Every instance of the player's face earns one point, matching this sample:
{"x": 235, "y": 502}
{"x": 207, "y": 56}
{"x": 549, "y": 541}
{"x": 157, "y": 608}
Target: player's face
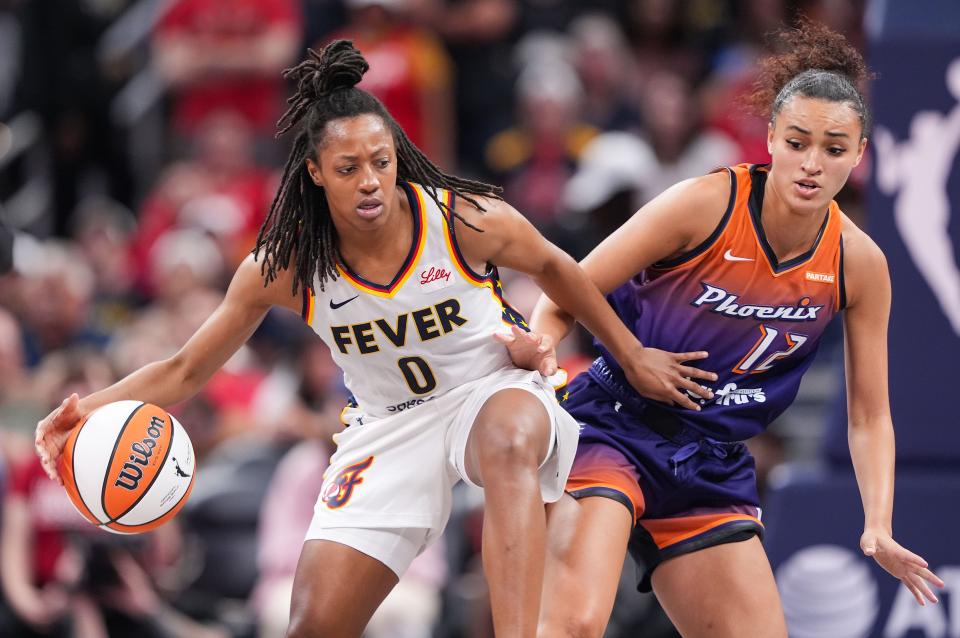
{"x": 815, "y": 144}
{"x": 357, "y": 167}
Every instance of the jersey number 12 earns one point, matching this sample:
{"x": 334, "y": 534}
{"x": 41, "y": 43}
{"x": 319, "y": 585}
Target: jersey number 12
{"x": 748, "y": 365}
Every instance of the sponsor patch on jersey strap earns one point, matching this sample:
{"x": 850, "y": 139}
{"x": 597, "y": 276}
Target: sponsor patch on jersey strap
{"x": 823, "y": 277}
{"x": 726, "y": 303}
{"x": 435, "y": 276}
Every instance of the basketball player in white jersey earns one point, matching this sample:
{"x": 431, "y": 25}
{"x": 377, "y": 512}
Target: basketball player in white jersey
{"x": 391, "y": 262}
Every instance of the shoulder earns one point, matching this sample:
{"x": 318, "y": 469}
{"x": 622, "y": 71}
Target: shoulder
{"x": 691, "y": 209}
{"x": 858, "y": 247}
{"x": 712, "y": 188}
{"x": 250, "y": 285}
{"x": 482, "y": 210}
{"x": 864, "y": 264}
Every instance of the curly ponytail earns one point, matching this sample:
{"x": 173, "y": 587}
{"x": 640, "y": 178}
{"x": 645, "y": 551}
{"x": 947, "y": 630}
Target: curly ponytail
{"x": 816, "y": 63}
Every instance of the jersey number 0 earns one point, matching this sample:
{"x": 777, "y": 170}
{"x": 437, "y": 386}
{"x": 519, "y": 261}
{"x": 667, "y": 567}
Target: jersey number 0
{"x": 417, "y": 374}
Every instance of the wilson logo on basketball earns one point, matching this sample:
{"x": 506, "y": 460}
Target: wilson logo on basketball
{"x": 142, "y": 451}
{"x": 338, "y": 492}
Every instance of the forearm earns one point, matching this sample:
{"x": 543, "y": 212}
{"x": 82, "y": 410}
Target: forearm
{"x": 162, "y": 383}
{"x": 873, "y": 453}
{"x": 550, "y": 320}
{"x": 573, "y": 296}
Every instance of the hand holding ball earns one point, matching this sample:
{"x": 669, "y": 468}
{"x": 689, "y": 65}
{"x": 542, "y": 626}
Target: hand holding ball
{"x": 128, "y": 467}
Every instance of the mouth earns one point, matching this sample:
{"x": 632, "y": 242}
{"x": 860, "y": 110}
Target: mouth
{"x": 806, "y": 188}
{"x": 369, "y": 208}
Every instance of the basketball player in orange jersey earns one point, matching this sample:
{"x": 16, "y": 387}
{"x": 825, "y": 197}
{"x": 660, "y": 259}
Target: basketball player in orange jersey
{"x": 391, "y": 262}
{"x": 749, "y": 263}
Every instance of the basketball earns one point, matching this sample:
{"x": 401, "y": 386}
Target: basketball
{"x": 128, "y": 467}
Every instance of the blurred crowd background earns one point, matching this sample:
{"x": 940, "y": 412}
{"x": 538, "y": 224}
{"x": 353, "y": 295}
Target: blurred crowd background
{"x": 137, "y": 161}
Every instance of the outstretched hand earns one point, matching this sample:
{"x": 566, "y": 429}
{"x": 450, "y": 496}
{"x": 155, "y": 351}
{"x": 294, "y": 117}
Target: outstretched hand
{"x": 529, "y": 350}
{"x": 53, "y": 432}
{"x": 901, "y": 563}
{"x": 662, "y": 376}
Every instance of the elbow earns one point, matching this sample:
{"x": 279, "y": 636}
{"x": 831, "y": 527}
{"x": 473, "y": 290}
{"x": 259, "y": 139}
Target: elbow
{"x": 183, "y": 372}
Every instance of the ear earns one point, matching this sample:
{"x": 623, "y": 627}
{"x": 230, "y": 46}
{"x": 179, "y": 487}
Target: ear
{"x": 863, "y": 147}
{"x": 314, "y": 171}
{"x": 770, "y": 137}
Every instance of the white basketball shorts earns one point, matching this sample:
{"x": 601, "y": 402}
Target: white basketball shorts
{"x": 396, "y": 473}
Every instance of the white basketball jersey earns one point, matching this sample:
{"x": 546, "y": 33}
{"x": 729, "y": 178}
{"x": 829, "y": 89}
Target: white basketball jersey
{"x": 426, "y": 332}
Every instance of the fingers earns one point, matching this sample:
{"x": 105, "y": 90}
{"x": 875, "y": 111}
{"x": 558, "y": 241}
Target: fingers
{"x": 907, "y": 556}
{"x": 504, "y": 338}
{"x": 914, "y": 590}
{"x": 695, "y": 388}
{"x": 683, "y": 400}
{"x": 548, "y": 365}
{"x": 920, "y": 588}
{"x": 50, "y": 467}
{"x": 697, "y": 373}
{"x": 517, "y": 335}
{"x": 691, "y": 356}
{"x": 929, "y": 576}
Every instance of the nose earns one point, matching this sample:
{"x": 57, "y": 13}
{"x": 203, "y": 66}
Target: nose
{"x": 369, "y": 182}
{"x": 812, "y": 162}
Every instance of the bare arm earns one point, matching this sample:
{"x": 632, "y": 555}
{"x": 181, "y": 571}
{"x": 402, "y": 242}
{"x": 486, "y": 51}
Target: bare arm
{"x": 175, "y": 379}
{"x": 870, "y": 426}
{"x": 510, "y": 240}
{"x": 674, "y": 222}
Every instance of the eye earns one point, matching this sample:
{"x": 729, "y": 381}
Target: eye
{"x": 836, "y": 150}
{"x": 383, "y": 163}
{"x": 346, "y": 170}
{"x": 795, "y": 145}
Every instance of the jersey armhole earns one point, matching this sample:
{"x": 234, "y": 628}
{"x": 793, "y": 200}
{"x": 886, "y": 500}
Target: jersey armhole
{"x": 709, "y": 241}
{"x": 841, "y": 282}
{"x": 469, "y": 273}
{"x": 306, "y": 311}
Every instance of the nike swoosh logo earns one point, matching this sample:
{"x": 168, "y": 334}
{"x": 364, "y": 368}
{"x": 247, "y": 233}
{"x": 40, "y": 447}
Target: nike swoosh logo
{"x": 731, "y": 257}
{"x": 334, "y": 306}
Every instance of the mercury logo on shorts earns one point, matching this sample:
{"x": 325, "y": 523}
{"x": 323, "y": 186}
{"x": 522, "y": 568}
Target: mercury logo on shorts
{"x": 338, "y": 492}
{"x": 725, "y": 303}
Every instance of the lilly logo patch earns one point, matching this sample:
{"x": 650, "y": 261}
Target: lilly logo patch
{"x": 435, "y": 276}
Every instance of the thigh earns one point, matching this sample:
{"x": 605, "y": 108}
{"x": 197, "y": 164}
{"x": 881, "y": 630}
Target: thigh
{"x": 336, "y": 590}
{"x": 732, "y": 587}
{"x": 586, "y": 544}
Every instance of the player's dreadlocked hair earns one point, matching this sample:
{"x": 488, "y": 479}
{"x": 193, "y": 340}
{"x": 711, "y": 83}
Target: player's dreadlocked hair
{"x": 299, "y": 221}
{"x": 817, "y": 63}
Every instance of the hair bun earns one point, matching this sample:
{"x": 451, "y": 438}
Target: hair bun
{"x": 339, "y": 65}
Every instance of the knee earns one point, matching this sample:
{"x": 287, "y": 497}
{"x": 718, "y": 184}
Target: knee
{"x": 575, "y": 624}
{"x": 518, "y": 443}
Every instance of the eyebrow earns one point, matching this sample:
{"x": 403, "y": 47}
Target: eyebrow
{"x": 806, "y": 132}
{"x": 376, "y": 151}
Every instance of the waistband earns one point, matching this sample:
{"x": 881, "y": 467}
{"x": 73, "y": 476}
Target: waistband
{"x": 663, "y": 422}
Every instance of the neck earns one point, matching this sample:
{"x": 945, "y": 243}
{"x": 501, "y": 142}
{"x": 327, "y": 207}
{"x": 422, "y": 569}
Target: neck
{"x": 789, "y": 232}
{"x": 361, "y": 247}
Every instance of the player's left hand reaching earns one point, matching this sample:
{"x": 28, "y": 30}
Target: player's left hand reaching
{"x": 529, "y": 350}
{"x": 903, "y": 564}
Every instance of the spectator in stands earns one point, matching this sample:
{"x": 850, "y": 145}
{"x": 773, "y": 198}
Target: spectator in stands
{"x": 217, "y": 55}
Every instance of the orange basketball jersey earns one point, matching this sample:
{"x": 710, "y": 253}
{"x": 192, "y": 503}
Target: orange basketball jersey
{"x": 760, "y": 320}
